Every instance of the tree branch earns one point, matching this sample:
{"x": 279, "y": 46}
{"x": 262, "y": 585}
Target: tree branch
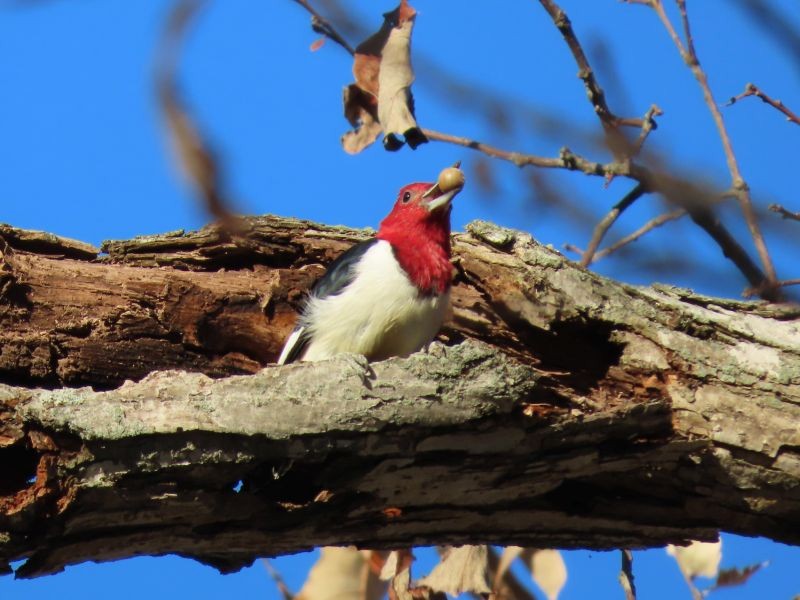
{"x": 579, "y": 412}
{"x": 784, "y": 212}
{"x": 689, "y": 56}
{"x": 752, "y": 90}
{"x": 605, "y": 224}
{"x": 680, "y": 192}
{"x": 324, "y": 27}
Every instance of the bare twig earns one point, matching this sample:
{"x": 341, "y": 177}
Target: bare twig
{"x": 689, "y": 56}
{"x": 509, "y": 587}
{"x": 784, "y": 213}
{"x": 279, "y": 582}
{"x": 648, "y": 125}
{"x": 605, "y": 224}
{"x": 192, "y": 149}
{"x": 566, "y": 160}
{"x": 753, "y": 90}
{"x": 621, "y": 148}
{"x": 626, "y": 575}
{"x": 754, "y": 291}
{"x": 678, "y": 192}
{"x": 323, "y": 27}
{"x": 593, "y": 90}
{"x": 644, "y": 229}
{"x": 632, "y": 237}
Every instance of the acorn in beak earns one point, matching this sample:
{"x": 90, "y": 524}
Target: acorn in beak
{"x": 449, "y": 183}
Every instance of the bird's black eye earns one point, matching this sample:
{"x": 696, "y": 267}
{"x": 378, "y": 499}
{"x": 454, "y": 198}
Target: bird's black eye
{"x": 406, "y": 197}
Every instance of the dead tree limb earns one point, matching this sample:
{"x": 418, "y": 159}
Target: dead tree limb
{"x": 566, "y": 410}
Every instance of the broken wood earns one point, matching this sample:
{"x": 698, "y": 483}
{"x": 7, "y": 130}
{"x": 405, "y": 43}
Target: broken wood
{"x": 565, "y": 410}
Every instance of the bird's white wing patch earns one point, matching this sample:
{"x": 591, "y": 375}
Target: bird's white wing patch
{"x": 380, "y": 314}
{"x": 290, "y": 344}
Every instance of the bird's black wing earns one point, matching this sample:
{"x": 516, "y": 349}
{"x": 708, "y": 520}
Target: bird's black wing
{"x": 341, "y": 272}
{"x": 339, "y": 275}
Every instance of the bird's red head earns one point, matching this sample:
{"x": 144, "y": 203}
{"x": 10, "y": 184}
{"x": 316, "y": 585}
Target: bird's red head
{"x": 418, "y": 228}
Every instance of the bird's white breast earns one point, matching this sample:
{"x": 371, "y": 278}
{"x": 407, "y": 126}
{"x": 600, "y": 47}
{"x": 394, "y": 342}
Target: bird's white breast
{"x": 380, "y": 314}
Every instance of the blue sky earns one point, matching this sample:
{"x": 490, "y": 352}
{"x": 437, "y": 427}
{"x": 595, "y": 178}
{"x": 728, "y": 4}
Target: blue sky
{"x": 83, "y": 155}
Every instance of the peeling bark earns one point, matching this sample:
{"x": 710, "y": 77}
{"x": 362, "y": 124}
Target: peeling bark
{"x": 565, "y": 410}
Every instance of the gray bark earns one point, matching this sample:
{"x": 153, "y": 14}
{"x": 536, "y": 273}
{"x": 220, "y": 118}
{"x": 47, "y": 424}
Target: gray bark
{"x": 565, "y": 410}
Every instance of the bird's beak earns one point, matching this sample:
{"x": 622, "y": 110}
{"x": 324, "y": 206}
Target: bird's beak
{"x": 439, "y": 201}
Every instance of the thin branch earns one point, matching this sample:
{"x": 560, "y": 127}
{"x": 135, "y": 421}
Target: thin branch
{"x": 621, "y": 148}
{"x": 687, "y": 32}
{"x": 605, "y": 224}
{"x": 648, "y": 125}
{"x": 644, "y": 229}
{"x": 750, "y": 292}
{"x": 693, "y": 590}
{"x": 276, "y": 577}
{"x": 784, "y": 213}
{"x": 509, "y": 588}
{"x": 678, "y": 192}
{"x": 689, "y": 56}
{"x": 632, "y": 237}
{"x": 626, "y": 575}
{"x": 192, "y": 148}
{"x": 566, "y": 160}
{"x": 593, "y": 90}
{"x": 324, "y": 27}
{"x": 753, "y": 90}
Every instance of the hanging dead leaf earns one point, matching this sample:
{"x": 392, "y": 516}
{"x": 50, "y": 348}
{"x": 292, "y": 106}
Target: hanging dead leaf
{"x": 698, "y": 558}
{"x": 382, "y": 70}
{"x": 317, "y": 44}
{"x": 463, "y": 569}
{"x": 395, "y": 102}
{"x": 399, "y": 587}
{"x": 736, "y": 576}
{"x": 341, "y": 574}
{"x": 360, "y": 109}
{"x": 547, "y": 570}
{"x": 398, "y": 560}
{"x": 397, "y": 571}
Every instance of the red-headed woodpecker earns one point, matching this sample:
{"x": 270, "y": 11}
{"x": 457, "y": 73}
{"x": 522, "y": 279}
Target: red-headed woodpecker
{"x": 386, "y": 296}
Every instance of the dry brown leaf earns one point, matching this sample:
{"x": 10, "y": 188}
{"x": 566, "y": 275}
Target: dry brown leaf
{"x": 737, "y": 576}
{"x": 399, "y": 588}
{"x": 462, "y": 569}
{"x": 317, "y": 44}
{"x": 397, "y": 561}
{"x": 698, "y": 558}
{"x": 397, "y": 570}
{"x": 360, "y": 109}
{"x": 382, "y": 70}
{"x": 395, "y": 102}
{"x": 341, "y": 574}
{"x": 547, "y": 570}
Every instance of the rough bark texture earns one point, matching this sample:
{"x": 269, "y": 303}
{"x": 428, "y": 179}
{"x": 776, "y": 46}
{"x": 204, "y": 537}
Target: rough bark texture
{"x": 566, "y": 410}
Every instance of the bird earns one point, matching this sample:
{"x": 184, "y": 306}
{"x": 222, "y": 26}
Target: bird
{"x": 386, "y": 296}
